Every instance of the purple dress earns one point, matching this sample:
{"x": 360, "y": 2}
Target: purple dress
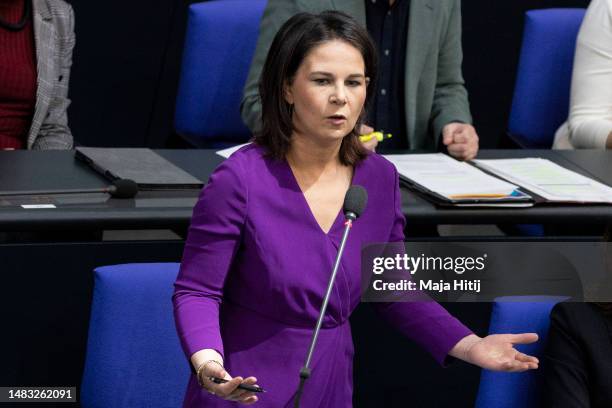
{"x": 255, "y": 270}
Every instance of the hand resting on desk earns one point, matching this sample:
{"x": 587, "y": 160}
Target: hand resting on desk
{"x": 461, "y": 140}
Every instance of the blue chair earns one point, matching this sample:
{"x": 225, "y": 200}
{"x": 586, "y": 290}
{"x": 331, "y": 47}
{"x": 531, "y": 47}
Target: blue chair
{"x": 134, "y": 358}
{"x": 516, "y": 314}
{"x": 219, "y": 45}
{"x": 541, "y": 94}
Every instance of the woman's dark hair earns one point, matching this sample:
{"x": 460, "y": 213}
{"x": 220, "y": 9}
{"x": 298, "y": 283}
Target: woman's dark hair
{"x": 295, "y": 39}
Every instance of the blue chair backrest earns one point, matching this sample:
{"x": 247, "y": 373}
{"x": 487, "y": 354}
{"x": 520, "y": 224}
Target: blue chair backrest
{"x": 219, "y": 45}
{"x": 516, "y": 314}
{"x": 134, "y": 358}
{"x": 541, "y": 93}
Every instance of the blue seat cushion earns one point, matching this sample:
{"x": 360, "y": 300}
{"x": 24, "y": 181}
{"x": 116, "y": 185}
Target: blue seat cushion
{"x": 134, "y": 358}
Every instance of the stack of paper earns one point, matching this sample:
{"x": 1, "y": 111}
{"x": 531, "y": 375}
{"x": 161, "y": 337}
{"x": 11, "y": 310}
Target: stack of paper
{"x": 549, "y": 180}
{"x": 455, "y": 182}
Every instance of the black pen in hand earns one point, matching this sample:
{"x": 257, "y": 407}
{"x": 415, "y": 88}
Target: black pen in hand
{"x": 247, "y": 387}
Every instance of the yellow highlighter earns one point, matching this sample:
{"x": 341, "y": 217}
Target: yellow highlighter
{"x": 380, "y": 136}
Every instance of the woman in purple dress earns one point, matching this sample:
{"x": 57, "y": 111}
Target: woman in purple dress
{"x": 267, "y": 227}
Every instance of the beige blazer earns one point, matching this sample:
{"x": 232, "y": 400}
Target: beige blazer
{"x": 54, "y": 41}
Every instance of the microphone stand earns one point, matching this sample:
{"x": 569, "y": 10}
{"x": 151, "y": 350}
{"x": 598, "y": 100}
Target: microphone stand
{"x": 305, "y": 371}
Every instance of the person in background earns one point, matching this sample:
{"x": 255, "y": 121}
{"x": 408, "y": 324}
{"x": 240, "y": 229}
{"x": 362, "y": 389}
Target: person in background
{"x": 589, "y": 125}
{"x": 36, "y": 43}
{"x": 421, "y": 98}
{"x": 577, "y": 362}
{"x": 577, "y": 358}
{"x": 265, "y": 232}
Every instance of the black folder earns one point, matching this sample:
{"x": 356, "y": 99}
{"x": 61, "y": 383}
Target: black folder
{"x": 145, "y": 167}
{"x": 519, "y": 199}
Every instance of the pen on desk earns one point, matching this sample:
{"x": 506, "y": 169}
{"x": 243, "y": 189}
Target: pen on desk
{"x": 380, "y": 136}
{"x": 252, "y": 388}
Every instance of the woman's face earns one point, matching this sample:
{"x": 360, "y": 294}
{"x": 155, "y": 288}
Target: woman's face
{"x": 328, "y": 91}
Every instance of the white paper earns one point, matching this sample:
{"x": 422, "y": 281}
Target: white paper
{"x": 228, "y": 152}
{"x": 37, "y": 206}
{"x": 448, "y": 177}
{"x": 549, "y": 180}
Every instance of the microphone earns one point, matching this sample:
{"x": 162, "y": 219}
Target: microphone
{"x": 121, "y": 188}
{"x": 355, "y": 201}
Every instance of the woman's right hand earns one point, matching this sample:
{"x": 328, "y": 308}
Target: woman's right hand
{"x": 229, "y": 390}
{"x": 373, "y": 142}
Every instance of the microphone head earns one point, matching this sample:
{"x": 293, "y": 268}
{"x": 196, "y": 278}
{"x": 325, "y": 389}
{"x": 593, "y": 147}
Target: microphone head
{"x": 355, "y": 200}
{"x": 123, "y": 188}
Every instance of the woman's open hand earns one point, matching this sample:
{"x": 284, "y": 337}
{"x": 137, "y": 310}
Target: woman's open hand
{"x": 497, "y": 352}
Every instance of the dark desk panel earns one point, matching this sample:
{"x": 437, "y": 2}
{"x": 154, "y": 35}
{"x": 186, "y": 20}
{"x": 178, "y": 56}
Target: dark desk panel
{"x": 20, "y": 170}
{"x": 199, "y": 163}
{"x": 172, "y": 209}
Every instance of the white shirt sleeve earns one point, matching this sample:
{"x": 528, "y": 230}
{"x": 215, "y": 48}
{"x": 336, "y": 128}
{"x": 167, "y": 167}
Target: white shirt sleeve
{"x": 590, "y": 119}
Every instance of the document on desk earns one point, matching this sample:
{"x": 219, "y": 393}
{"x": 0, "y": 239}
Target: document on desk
{"x": 549, "y": 180}
{"x": 456, "y": 182}
{"x": 230, "y": 150}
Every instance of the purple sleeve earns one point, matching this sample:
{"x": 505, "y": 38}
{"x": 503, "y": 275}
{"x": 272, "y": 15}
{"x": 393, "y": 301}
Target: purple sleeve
{"x": 212, "y": 242}
{"x": 426, "y": 323}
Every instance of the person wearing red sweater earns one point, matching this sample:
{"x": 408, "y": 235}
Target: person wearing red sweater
{"x": 36, "y": 43}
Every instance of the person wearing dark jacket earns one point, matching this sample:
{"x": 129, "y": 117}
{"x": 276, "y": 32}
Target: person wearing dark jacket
{"x": 577, "y": 363}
